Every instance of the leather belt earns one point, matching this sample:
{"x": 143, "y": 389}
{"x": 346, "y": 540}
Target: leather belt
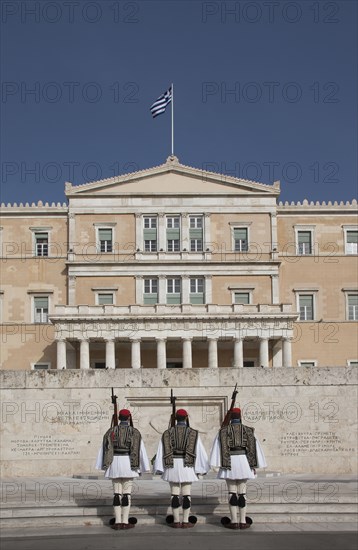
{"x": 237, "y": 452}
{"x": 121, "y": 453}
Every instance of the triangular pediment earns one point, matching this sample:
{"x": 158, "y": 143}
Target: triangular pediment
{"x": 172, "y": 178}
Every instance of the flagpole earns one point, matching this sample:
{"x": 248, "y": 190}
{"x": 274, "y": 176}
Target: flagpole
{"x": 172, "y": 120}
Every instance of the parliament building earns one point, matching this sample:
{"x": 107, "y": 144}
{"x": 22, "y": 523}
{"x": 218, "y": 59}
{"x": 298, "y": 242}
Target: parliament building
{"x": 176, "y": 267}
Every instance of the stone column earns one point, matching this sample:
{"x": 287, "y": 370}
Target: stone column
{"x": 185, "y": 289}
{"x": 275, "y": 289}
{"x": 61, "y": 354}
{"x": 286, "y": 353}
{"x": 273, "y": 230}
{"x": 84, "y": 354}
{"x": 238, "y": 353}
{"x": 135, "y": 354}
{"x": 162, "y": 289}
{"x": 185, "y": 241}
{"x": 277, "y": 354}
{"x": 162, "y": 232}
{"x": 264, "y": 352}
{"x": 110, "y": 354}
{"x": 213, "y": 353}
{"x": 187, "y": 353}
{"x": 207, "y": 231}
{"x": 139, "y": 231}
{"x": 208, "y": 289}
{"x": 139, "y": 289}
{"x": 72, "y": 290}
{"x": 161, "y": 353}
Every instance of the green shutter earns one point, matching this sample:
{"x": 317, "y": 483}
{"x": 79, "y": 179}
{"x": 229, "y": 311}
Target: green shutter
{"x": 105, "y": 234}
{"x": 173, "y": 234}
{"x": 41, "y": 236}
{"x": 306, "y": 301}
{"x": 150, "y": 299}
{"x": 240, "y": 234}
{"x": 105, "y": 299}
{"x": 41, "y": 302}
{"x": 195, "y": 233}
{"x": 173, "y": 299}
{"x": 197, "y": 298}
{"x": 150, "y": 234}
{"x": 352, "y": 236}
{"x": 304, "y": 237}
{"x": 242, "y": 298}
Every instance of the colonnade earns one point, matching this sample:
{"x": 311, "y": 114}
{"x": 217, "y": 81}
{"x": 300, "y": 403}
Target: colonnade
{"x": 282, "y": 355}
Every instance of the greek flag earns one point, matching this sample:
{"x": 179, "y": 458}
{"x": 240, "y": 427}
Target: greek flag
{"x": 161, "y": 103}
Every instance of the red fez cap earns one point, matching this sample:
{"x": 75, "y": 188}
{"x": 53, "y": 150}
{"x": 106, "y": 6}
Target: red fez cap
{"x": 125, "y": 413}
{"x": 236, "y": 412}
{"x": 181, "y": 413}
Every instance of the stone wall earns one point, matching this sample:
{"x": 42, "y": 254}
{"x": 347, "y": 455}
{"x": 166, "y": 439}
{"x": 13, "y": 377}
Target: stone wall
{"x": 52, "y": 422}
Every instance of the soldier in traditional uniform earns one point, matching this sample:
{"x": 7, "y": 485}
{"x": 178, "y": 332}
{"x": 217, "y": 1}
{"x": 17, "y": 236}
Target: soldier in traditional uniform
{"x": 180, "y": 457}
{"x": 237, "y": 453}
{"x": 123, "y": 457}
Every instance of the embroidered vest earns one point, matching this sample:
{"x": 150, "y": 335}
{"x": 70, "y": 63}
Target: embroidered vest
{"x": 121, "y": 438}
{"x": 234, "y": 436}
{"x": 180, "y": 440}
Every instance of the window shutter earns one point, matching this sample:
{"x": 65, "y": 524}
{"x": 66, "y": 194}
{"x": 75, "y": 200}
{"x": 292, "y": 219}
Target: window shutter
{"x": 105, "y": 234}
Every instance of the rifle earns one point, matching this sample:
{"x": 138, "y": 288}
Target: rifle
{"x": 115, "y": 410}
{"x": 227, "y": 418}
{"x": 172, "y": 416}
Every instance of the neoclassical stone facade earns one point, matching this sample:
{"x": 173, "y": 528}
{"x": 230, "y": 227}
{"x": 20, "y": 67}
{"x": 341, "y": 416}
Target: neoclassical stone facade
{"x": 173, "y": 267}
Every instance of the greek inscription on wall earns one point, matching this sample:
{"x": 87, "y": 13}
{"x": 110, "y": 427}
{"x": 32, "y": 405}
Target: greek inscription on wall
{"x": 306, "y": 443}
{"x": 43, "y": 445}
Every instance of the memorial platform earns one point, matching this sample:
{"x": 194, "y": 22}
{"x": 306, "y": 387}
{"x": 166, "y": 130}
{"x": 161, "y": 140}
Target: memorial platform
{"x": 275, "y": 502}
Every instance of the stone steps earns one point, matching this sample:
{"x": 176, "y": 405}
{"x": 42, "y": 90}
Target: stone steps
{"x": 99, "y": 514}
{"x": 56, "y": 502}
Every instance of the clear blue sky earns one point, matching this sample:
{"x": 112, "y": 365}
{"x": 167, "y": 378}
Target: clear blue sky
{"x": 264, "y": 90}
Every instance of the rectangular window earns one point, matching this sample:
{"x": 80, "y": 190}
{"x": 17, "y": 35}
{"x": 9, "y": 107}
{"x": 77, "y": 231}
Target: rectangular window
{"x": 150, "y": 237}
{"x": 105, "y": 239}
{"x": 306, "y": 307}
{"x": 173, "y": 245}
{"x": 105, "y": 298}
{"x": 41, "y": 309}
{"x": 241, "y": 239}
{"x": 352, "y": 242}
{"x": 304, "y": 242}
{"x": 352, "y": 307}
{"x": 150, "y": 222}
{"x": 99, "y": 365}
{"x": 196, "y": 235}
{"x": 197, "y": 290}
{"x": 242, "y": 297}
{"x": 173, "y": 234}
{"x": 196, "y": 222}
{"x": 173, "y": 222}
{"x": 41, "y": 243}
{"x": 174, "y": 291}
{"x": 307, "y": 363}
{"x": 150, "y": 291}
{"x": 41, "y": 366}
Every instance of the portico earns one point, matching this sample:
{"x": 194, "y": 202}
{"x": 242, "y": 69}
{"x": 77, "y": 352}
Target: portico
{"x": 164, "y": 336}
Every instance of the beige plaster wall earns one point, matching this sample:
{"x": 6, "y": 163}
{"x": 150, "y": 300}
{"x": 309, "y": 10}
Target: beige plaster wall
{"x": 85, "y": 233}
{"x": 223, "y": 295}
{"x": 125, "y": 295}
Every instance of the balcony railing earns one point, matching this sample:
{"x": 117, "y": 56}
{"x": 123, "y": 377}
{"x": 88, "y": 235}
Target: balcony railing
{"x": 172, "y": 310}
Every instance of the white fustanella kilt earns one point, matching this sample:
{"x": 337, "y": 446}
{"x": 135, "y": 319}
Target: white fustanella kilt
{"x": 179, "y": 473}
